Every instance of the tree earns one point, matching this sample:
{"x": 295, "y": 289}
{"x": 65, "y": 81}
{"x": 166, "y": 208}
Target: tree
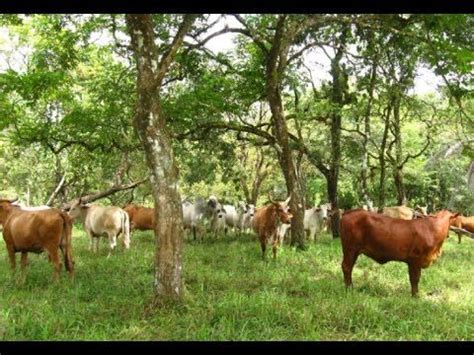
{"x": 156, "y": 140}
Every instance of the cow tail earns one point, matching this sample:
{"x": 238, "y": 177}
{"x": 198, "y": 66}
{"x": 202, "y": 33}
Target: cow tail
{"x": 67, "y": 243}
{"x": 126, "y": 229}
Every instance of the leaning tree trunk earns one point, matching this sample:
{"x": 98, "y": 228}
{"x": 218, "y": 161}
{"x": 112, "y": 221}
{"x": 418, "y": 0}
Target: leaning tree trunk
{"x": 156, "y": 140}
{"x": 276, "y": 63}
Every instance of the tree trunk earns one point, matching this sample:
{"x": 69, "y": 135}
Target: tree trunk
{"x": 398, "y": 165}
{"x": 156, "y": 140}
{"x": 339, "y": 87}
{"x": 275, "y": 64}
{"x": 382, "y": 162}
{"x": 365, "y": 147}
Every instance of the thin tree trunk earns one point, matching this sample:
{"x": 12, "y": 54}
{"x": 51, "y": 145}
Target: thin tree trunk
{"x": 156, "y": 140}
{"x": 382, "y": 162}
{"x": 367, "y": 134}
{"x": 397, "y": 166}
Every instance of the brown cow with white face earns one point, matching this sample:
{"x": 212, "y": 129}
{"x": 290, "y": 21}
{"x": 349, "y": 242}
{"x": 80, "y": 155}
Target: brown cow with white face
{"x": 267, "y": 221}
{"x": 37, "y": 231}
{"x": 416, "y": 242}
{"x": 141, "y": 218}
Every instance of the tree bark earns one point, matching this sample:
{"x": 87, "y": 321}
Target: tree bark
{"x": 367, "y": 134}
{"x": 339, "y": 87}
{"x": 156, "y": 140}
{"x": 276, "y": 62}
{"x": 382, "y": 161}
{"x": 398, "y": 164}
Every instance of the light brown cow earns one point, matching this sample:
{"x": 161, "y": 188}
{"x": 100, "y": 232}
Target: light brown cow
{"x": 37, "y": 231}
{"x": 141, "y": 218}
{"x": 401, "y": 212}
{"x": 267, "y": 221}
{"x": 466, "y": 223}
{"x": 416, "y": 242}
{"x": 100, "y": 220}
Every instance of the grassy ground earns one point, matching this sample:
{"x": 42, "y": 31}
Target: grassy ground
{"x": 233, "y": 295}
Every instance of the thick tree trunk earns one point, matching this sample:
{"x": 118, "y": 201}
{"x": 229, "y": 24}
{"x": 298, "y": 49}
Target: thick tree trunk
{"x": 275, "y": 65}
{"x": 156, "y": 140}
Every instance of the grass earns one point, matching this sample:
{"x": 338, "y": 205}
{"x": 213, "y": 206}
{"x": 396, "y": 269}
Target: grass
{"x": 231, "y": 294}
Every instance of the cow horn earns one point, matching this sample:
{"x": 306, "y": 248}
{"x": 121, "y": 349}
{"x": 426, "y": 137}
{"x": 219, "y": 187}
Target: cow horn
{"x": 287, "y": 201}
{"x": 13, "y": 200}
{"x": 270, "y": 198}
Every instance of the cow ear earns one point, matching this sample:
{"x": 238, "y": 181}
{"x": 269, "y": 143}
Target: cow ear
{"x": 455, "y": 215}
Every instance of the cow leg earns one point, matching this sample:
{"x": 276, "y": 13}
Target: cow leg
{"x": 112, "y": 243}
{"x": 312, "y": 232}
{"x": 276, "y": 243}
{"x": 347, "y": 266}
{"x": 23, "y": 263}
{"x": 263, "y": 245}
{"x": 194, "y": 232}
{"x": 459, "y": 238}
{"x": 12, "y": 258}
{"x": 53, "y": 253}
{"x": 415, "y": 274}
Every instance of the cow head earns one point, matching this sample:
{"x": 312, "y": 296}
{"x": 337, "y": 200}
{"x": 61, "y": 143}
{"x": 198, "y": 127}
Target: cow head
{"x": 323, "y": 212}
{"x": 423, "y": 210}
{"x": 77, "y": 208}
{"x": 212, "y": 202}
{"x": 6, "y": 206}
{"x": 282, "y": 210}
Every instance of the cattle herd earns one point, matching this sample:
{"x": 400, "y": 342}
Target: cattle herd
{"x": 397, "y": 234}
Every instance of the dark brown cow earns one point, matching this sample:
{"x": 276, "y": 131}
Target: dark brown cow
{"x": 37, "y": 231}
{"x": 267, "y": 221}
{"x": 141, "y": 218}
{"x": 416, "y": 242}
{"x": 466, "y": 223}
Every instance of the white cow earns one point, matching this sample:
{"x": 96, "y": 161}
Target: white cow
{"x": 202, "y": 215}
{"x": 100, "y": 220}
{"x": 247, "y": 212}
{"x": 315, "y": 220}
{"x": 232, "y": 218}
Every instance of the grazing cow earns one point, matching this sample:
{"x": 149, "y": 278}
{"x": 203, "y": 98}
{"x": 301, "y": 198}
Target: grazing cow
{"x": 37, "y": 231}
{"x": 266, "y": 222}
{"x": 315, "y": 220}
{"x": 141, "y": 218}
{"x": 100, "y": 220}
{"x": 466, "y": 223}
{"x": 416, "y": 242}
{"x": 401, "y": 212}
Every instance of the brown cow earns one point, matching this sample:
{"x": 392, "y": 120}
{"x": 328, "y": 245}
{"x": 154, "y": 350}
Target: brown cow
{"x": 466, "y": 223}
{"x": 141, "y": 218}
{"x": 267, "y": 221}
{"x": 37, "y": 231}
{"x": 416, "y": 242}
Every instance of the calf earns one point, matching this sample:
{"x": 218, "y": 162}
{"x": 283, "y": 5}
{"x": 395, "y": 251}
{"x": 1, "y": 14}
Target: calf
{"x": 416, "y": 242}
{"x": 99, "y": 220}
{"x": 37, "y": 231}
{"x": 266, "y": 222}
